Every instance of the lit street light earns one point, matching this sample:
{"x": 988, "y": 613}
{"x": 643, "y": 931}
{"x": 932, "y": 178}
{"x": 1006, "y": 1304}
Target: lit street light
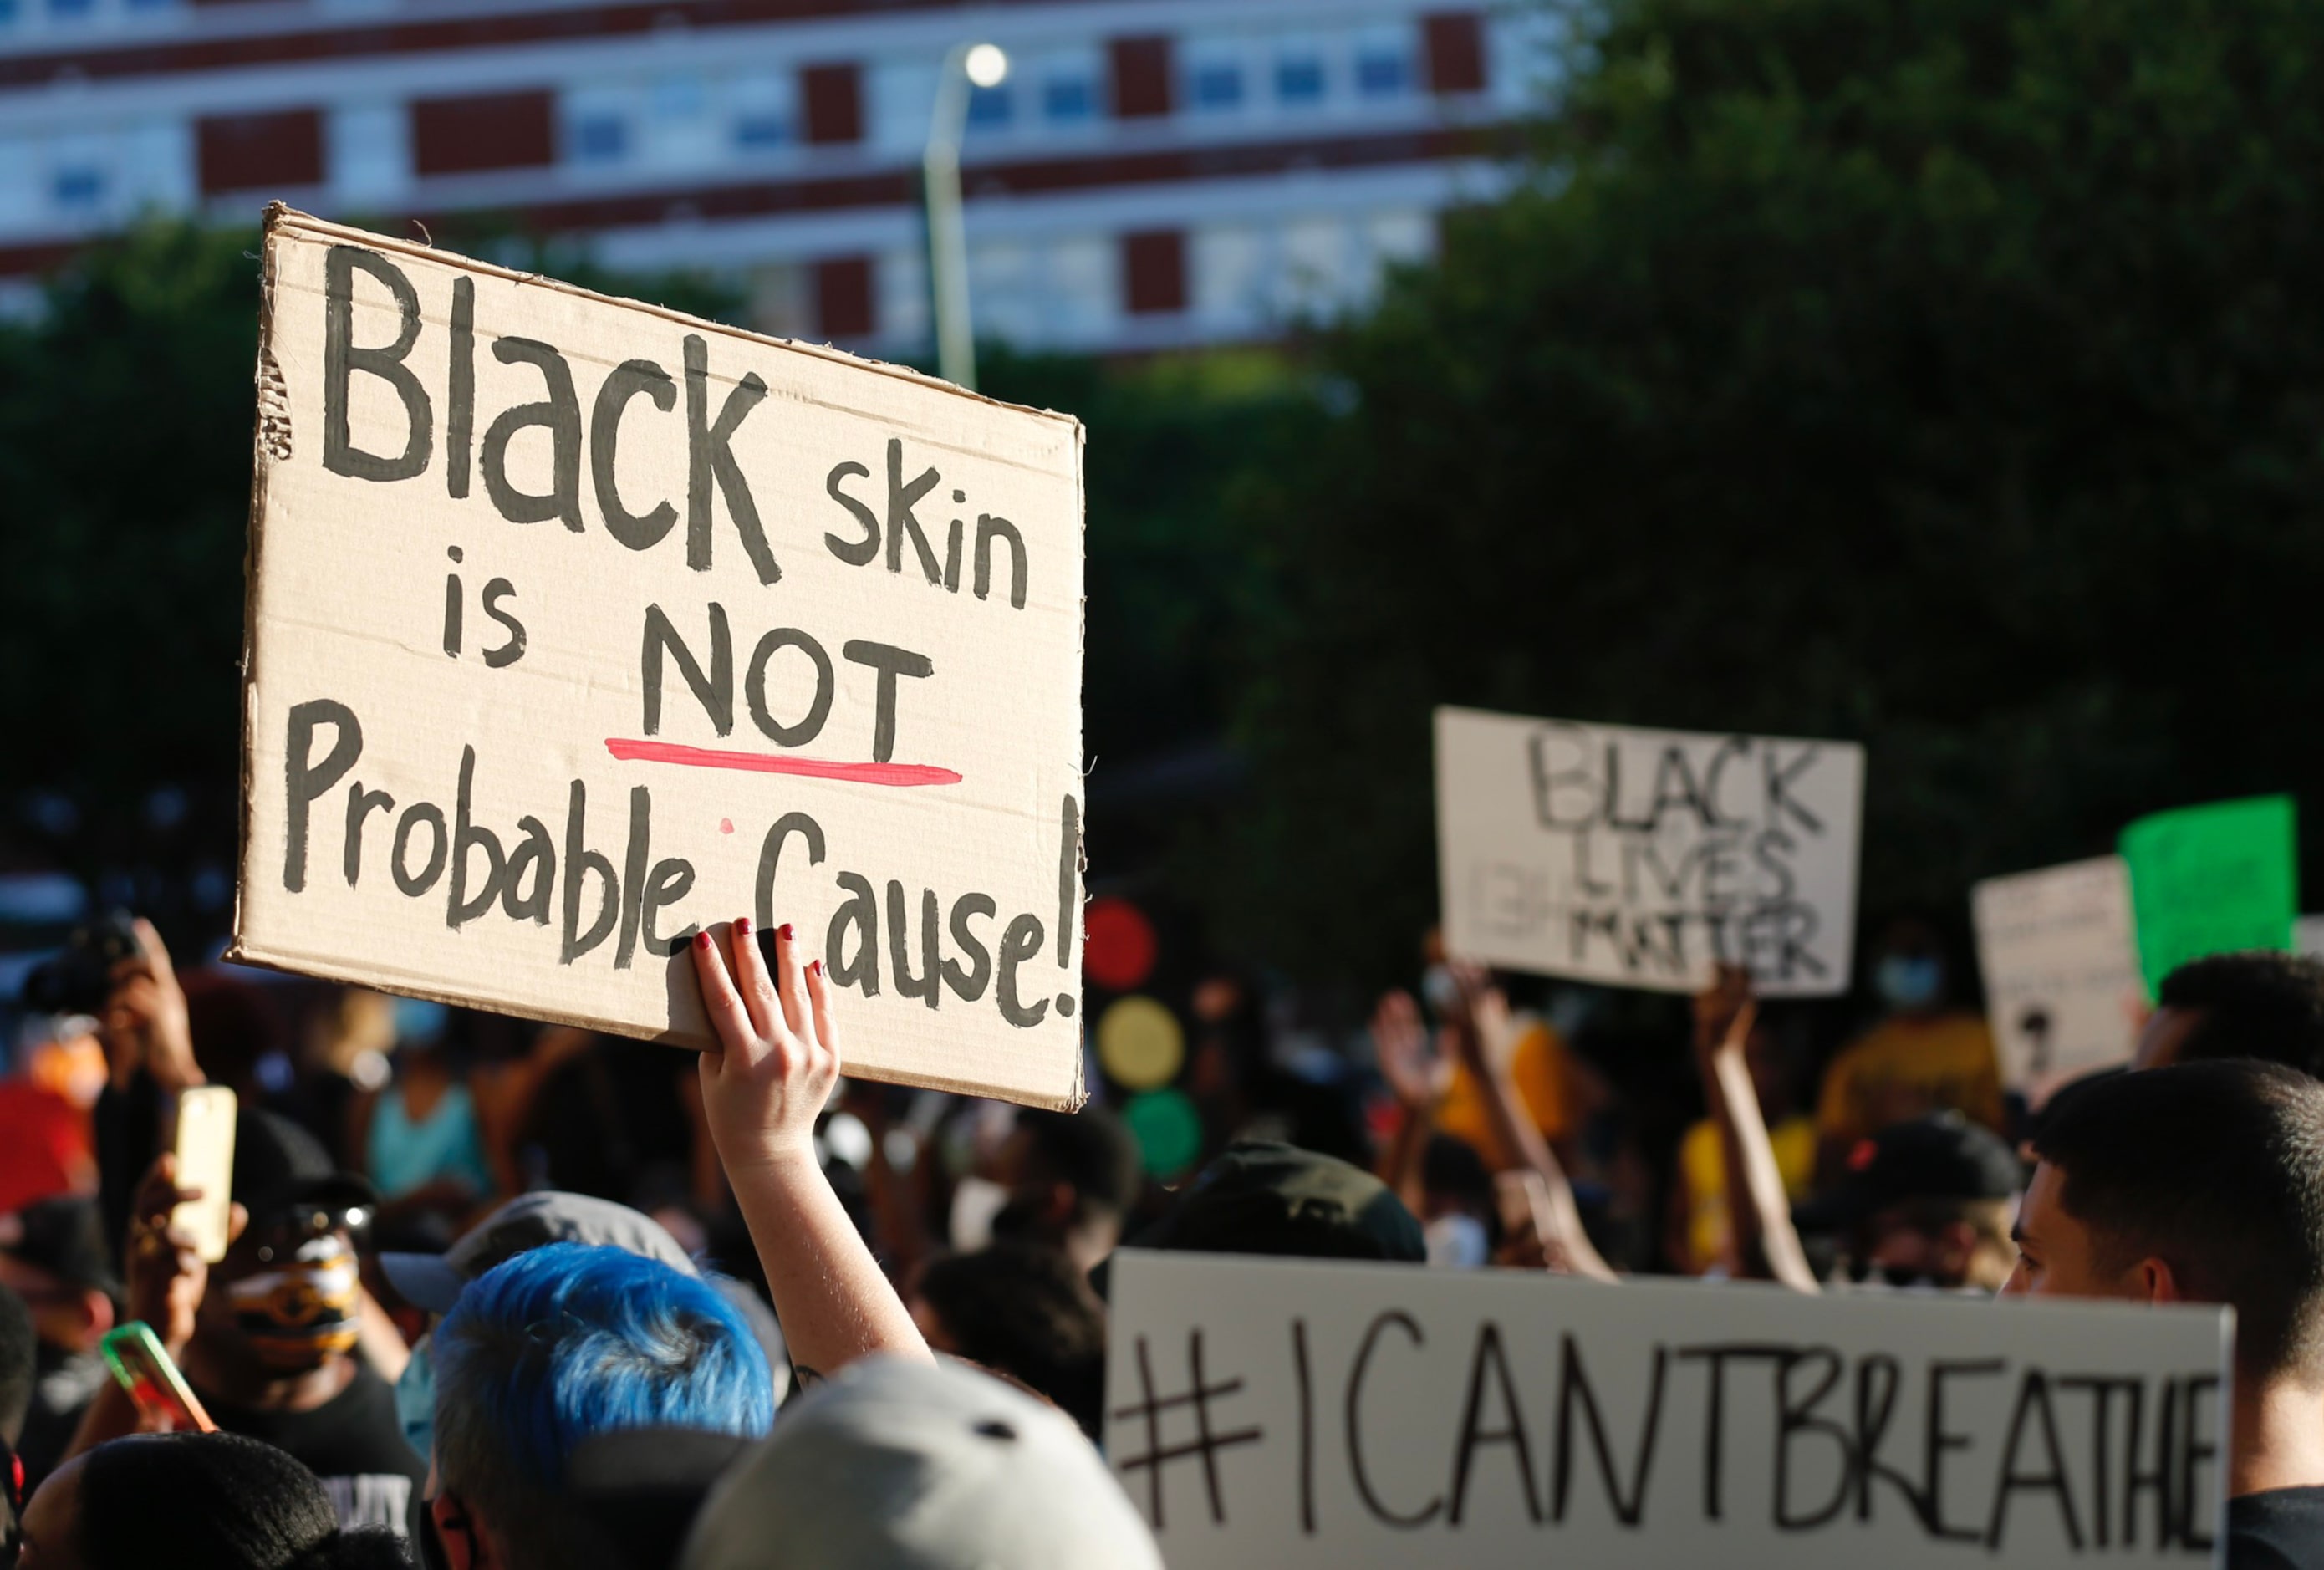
{"x": 981, "y": 65}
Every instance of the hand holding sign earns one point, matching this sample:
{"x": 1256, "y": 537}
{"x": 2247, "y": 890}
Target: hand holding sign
{"x": 763, "y": 1088}
{"x": 778, "y": 1053}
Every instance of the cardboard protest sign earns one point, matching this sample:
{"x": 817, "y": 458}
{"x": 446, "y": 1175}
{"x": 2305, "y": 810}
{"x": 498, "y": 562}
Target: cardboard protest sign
{"x": 2212, "y": 879}
{"x": 1283, "y": 1414}
{"x": 2062, "y": 982}
{"x": 1642, "y": 858}
{"x": 576, "y": 624}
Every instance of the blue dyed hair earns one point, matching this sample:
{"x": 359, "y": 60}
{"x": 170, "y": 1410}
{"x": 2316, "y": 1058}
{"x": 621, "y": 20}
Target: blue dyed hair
{"x": 571, "y": 1340}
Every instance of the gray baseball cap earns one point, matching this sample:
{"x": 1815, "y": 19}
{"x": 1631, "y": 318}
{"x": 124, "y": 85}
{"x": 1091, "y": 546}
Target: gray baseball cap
{"x": 433, "y": 1282}
{"x": 897, "y": 1464}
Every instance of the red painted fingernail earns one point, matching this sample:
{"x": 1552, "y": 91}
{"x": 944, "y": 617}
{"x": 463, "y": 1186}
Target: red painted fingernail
{"x": 784, "y": 932}
{"x": 702, "y": 938}
{"x": 741, "y": 927}
{"x": 815, "y": 967}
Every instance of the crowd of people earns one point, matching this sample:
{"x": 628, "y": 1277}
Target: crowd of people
{"x": 514, "y": 1297}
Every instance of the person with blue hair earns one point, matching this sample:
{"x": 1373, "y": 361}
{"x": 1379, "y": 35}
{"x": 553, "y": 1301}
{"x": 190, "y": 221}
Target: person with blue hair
{"x": 557, "y": 1345}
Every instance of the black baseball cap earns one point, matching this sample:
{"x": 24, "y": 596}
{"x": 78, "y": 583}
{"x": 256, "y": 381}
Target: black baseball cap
{"x": 65, "y": 1236}
{"x": 1260, "y": 1197}
{"x": 279, "y": 1167}
{"x": 1941, "y": 1157}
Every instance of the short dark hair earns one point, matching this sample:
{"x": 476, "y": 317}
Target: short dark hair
{"x": 570, "y": 1340}
{"x": 1025, "y": 1311}
{"x": 2255, "y": 1003}
{"x": 19, "y": 1350}
{"x": 216, "y": 1499}
{"x": 1092, "y": 1150}
{"x": 2218, "y": 1169}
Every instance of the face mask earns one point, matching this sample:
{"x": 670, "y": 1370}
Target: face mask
{"x": 299, "y": 1310}
{"x": 1909, "y": 981}
{"x": 975, "y": 1201}
{"x": 1441, "y": 988}
{"x": 1456, "y": 1242}
{"x": 415, "y": 1397}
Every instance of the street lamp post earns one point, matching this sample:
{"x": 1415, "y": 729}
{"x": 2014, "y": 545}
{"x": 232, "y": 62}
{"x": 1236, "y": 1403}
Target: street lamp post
{"x": 967, "y": 64}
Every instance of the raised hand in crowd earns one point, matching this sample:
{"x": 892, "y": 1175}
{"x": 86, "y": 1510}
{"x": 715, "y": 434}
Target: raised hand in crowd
{"x": 776, "y": 1066}
{"x": 144, "y": 1022}
{"x": 1483, "y": 1036}
{"x": 1417, "y": 1078}
{"x": 164, "y": 1280}
{"x": 1761, "y": 1238}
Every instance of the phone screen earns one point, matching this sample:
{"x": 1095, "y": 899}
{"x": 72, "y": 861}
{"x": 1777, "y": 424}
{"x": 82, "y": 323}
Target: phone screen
{"x": 205, "y": 1150}
{"x": 154, "y": 1386}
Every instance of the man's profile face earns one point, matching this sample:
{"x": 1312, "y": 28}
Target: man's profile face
{"x": 2057, "y": 1256}
{"x": 2164, "y": 1037}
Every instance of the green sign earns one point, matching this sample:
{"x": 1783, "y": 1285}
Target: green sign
{"x": 2209, "y": 880}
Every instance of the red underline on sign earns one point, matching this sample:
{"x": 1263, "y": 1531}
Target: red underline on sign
{"x": 635, "y": 751}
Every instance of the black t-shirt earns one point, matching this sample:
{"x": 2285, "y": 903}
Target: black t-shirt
{"x": 2281, "y": 1528}
{"x": 352, "y": 1442}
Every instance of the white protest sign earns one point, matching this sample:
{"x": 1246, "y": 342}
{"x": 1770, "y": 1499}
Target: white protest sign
{"x": 2061, "y": 980}
{"x": 576, "y": 624}
{"x": 1642, "y": 858}
{"x": 2308, "y": 937}
{"x": 1283, "y": 1414}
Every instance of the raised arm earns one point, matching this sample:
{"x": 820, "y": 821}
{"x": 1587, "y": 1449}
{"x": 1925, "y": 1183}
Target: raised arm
{"x": 1416, "y": 1079}
{"x": 762, "y": 1091}
{"x": 1484, "y": 1035}
{"x": 1759, "y": 1213}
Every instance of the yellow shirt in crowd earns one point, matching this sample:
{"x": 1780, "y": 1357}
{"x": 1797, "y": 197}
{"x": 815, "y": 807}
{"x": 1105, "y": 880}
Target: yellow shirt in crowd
{"x": 1543, "y": 1069}
{"x": 1904, "y": 1069}
{"x": 1704, "y": 1169}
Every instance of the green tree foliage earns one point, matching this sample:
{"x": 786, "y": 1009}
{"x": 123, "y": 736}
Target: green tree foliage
{"x": 1947, "y": 375}
{"x": 1172, "y": 581}
{"x": 124, "y": 466}
{"x": 125, "y": 421}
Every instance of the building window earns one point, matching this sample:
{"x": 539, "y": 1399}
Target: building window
{"x": 1382, "y": 72}
{"x": 1217, "y": 85}
{"x": 764, "y": 114}
{"x": 1069, "y": 97}
{"x": 1299, "y": 78}
{"x": 78, "y": 187}
{"x": 759, "y": 129}
{"x": 1154, "y": 272}
{"x": 989, "y": 109}
{"x": 600, "y": 138}
{"x": 257, "y": 152}
{"x": 843, "y": 297}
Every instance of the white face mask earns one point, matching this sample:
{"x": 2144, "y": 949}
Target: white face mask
{"x": 1457, "y": 1241}
{"x": 1440, "y": 988}
{"x": 975, "y": 1201}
